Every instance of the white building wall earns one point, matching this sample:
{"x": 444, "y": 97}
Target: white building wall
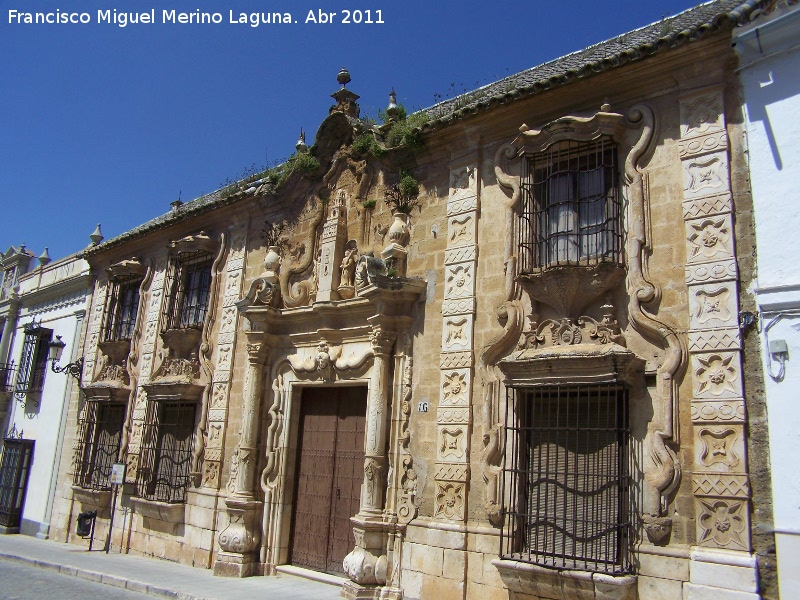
{"x": 769, "y": 52}
{"x": 57, "y": 297}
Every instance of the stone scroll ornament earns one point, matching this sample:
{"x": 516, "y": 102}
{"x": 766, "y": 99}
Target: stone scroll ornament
{"x": 132, "y": 362}
{"x": 206, "y": 366}
{"x": 664, "y": 478}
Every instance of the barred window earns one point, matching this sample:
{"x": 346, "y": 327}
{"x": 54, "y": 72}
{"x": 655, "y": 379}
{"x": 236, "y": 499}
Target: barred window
{"x": 100, "y": 434}
{"x": 122, "y": 304}
{"x": 191, "y": 287}
{"x": 166, "y": 452}
{"x": 566, "y": 475}
{"x": 33, "y": 363}
{"x": 7, "y": 377}
{"x": 570, "y": 206}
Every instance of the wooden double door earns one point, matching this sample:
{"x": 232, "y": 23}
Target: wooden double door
{"x": 329, "y": 473}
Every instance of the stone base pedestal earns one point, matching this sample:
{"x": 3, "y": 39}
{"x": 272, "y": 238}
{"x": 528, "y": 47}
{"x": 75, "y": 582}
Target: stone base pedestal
{"x": 239, "y": 540}
{"x": 353, "y": 591}
{"x": 231, "y": 564}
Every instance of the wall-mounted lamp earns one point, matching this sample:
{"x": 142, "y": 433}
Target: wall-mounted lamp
{"x": 56, "y": 348}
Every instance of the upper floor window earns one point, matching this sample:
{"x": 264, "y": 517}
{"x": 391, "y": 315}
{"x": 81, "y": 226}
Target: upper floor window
{"x": 570, "y": 206}
{"x": 33, "y": 363}
{"x": 122, "y": 305}
{"x": 190, "y": 291}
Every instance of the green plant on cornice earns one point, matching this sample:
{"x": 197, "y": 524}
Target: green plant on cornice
{"x": 369, "y": 203}
{"x": 403, "y": 196}
{"x": 367, "y": 144}
{"x": 405, "y": 132}
{"x": 302, "y": 163}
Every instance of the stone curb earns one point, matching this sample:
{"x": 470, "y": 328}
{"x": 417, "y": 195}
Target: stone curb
{"x": 104, "y": 578}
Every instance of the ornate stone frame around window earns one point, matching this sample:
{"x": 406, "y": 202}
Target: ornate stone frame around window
{"x": 663, "y": 476}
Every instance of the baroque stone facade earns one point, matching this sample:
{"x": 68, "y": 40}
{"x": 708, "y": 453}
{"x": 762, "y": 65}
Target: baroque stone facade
{"x": 503, "y": 361}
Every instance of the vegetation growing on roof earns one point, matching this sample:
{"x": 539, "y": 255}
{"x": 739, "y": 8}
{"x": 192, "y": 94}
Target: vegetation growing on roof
{"x": 272, "y": 176}
{"x": 404, "y": 131}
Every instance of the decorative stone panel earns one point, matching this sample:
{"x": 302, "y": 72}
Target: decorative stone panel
{"x": 727, "y": 411}
{"x": 147, "y": 351}
{"x": 225, "y": 345}
{"x": 453, "y": 413}
{"x": 720, "y": 482}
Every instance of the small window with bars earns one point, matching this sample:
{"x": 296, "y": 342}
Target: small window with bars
{"x": 570, "y": 211}
{"x": 190, "y": 288}
{"x": 122, "y": 305}
{"x": 33, "y": 363}
{"x": 100, "y": 434}
{"x": 166, "y": 452}
{"x": 7, "y": 377}
{"x": 566, "y": 477}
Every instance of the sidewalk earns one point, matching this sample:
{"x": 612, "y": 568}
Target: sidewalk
{"x": 158, "y": 577}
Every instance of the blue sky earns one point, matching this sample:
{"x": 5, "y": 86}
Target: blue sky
{"x": 108, "y": 124}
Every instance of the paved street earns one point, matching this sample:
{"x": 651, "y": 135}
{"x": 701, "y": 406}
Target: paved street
{"x": 133, "y": 576}
{"x": 22, "y": 581}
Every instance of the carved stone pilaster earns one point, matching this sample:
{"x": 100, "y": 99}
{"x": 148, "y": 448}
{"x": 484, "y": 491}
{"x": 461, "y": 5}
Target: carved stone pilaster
{"x": 454, "y": 417}
{"x": 720, "y": 479}
{"x": 374, "y": 486}
{"x": 243, "y": 477}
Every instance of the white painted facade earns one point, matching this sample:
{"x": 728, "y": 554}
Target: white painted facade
{"x": 769, "y": 53}
{"x": 55, "y": 296}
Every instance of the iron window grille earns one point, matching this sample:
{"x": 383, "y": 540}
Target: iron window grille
{"x": 190, "y": 290}
{"x": 570, "y": 209}
{"x": 33, "y": 364}
{"x": 100, "y": 434}
{"x": 566, "y": 477}
{"x": 7, "y": 377}
{"x": 166, "y": 451}
{"x": 15, "y": 464}
{"x": 122, "y": 304}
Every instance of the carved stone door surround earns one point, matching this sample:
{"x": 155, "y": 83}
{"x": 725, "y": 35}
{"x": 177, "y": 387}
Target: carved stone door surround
{"x": 326, "y": 344}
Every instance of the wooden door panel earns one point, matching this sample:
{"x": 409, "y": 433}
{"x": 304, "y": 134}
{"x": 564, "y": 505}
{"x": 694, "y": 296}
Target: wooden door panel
{"x": 329, "y": 473}
{"x": 315, "y": 465}
{"x": 351, "y": 423}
